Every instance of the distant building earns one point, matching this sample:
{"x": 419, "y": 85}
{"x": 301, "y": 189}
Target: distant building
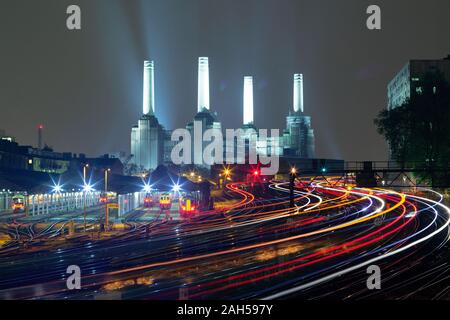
{"x": 4, "y": 136}
{"x": 405, "y": 83}
{"x": 14, "y": 156}
{"x": 298, "y": 138}
{"x": 104, "y": 163}
{"x": 147, "y": 137}
{"x": 151, "y": 144}
{"x": 207, "y": 120}
{"x": 147, "y": 140}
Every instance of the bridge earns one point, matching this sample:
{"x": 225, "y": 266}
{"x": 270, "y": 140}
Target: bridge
{"x": 385, "y": 174}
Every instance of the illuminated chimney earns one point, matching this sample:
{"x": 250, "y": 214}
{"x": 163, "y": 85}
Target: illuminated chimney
{"x": 149, "y": 88}
{"x": 40, "y": 128}
{"x": 298, "y": 92}
{"x": 248, "y": 100}
{"x": 203, "y": 84}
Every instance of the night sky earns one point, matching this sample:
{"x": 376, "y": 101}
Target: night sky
{"x": 86, "y": 86}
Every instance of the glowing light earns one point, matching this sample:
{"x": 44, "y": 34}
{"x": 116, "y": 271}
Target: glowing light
{"x": 147, "y": 188}
{"x": 87, "y": 188}
{"x": 176, "y": 188}
{"x": 324, "y": 170}
{"x": 248, "y": 100}
{"x": 256, "y": 173}
{"x": 293, "y": 170}
{"x": 57, "y": 188}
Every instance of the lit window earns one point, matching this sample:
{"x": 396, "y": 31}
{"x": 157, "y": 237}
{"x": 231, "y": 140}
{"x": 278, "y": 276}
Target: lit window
{"x": 30, "y": 161}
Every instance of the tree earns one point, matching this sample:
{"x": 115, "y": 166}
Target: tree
{"x": 418, "y": 132}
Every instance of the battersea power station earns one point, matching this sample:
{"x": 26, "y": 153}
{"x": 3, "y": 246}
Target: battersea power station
{"x": 151, "y": 143}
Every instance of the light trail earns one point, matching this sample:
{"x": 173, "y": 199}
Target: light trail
{"x": 332, "y": 231}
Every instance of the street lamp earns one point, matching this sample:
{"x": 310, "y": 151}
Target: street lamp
{"x": 291, "y": 187}
{"x": 106, "y": 179}
{"x": 106, "y": 194}
{"x": 84, "y": 193}
{"x": 84, "y": 172}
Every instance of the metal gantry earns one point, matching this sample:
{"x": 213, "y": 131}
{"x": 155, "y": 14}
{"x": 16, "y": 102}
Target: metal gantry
{"x": 381, "y": 174}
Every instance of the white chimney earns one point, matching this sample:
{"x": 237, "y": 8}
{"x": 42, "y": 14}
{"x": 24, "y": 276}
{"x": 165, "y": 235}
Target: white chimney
{"x": 298, "y": 92}
{"x": 248, "y": 100}
{"x": 149, "y": 88}
{"x": 203, "y": 84}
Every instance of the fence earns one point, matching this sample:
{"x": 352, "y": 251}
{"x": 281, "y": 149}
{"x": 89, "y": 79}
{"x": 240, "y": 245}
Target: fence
{"x": 39, "y": 204}
{"x": 5, "y": 201}
{"x": 129, "y": 202}
{"x": 61, "y": 202}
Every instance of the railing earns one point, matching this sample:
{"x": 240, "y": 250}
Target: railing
{"x": 38, "y": 204}
{"x": 66, "y": 202}
{"x": 394, "y": 165}
{"x": 61, "y": 202}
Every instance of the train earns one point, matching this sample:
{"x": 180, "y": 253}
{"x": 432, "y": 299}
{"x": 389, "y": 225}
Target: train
{"x": 188, "y": 206}
{"x": 148, "y": 201}
{"x": 18, "y": 203}
{"x": 165, "y": 201}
